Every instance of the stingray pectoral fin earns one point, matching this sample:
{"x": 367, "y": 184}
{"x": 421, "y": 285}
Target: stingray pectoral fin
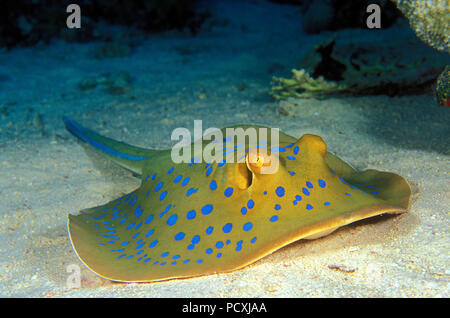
{"x": 85, "y": 243}
{"x": 128, "y": 156}
{"x": 390, "y": 187}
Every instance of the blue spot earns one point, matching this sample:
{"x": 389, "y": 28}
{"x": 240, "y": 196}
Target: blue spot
{"x": 228, "y": 192}
{"x": 196, "y": 239}
{"x": 147, "y": 260}
{"x": 220, "y": 164}
{"x": 158, "y": 186}
{"x": 274, "y": 218}
{"x": 294, "y": 202}
{"x": 154, "y": 176}
{"x": 322, "y": 183}
{"x": 213, "y": 185}
{"x": 309, "y": 184}
{"x": 149, "y": 219}
{"x": 207, "y": 209}
{"x": 149, "y": 233}
{"x": 238, "y": 248}
{"x": 199, "y": 261}
{"x": 280, "y": 191}
{"x": 292, "y": 173}
{"x": 138, "y": 225}
{"x": 208, "y": 172}
{"x": 138, "y": 211}
{"x": 165, "y": 210}
{"x": 253, "y": 240}
{"x": 191, "y": 191}
{"x": 176, "y": 257}
{"x": 327, "y": 203}
{"x": 164, "y": 254}
{"x": 343, "y": 181}
{"x": 291, "y": 157}
{"x": 295, "y": 150}
{"x": 119, "y": 257}
{"x": 170, "y": 171}
{"x": 265, "y": 192}
{"x": 250, "y": 204}
{"x": 209, "y": 230}
{"x": 190, "y": 246}
{"x": 219, "y": 244}
{"x": 278, "y": 149}
{"x": 228, "y": 242}
{"x": 227, "y": 228}
{"x": 277, "y": 207}
{"x": 179, "y": 236}
{"x": 185, "y": 181}
{"x": 153, "y": 244}
{"x": 186, "y": 261}
{"x": 172, "y": 219}
{"x": 298, "y": 197}
{"x": 135, "y": 235}
{"x": 140, "y": 245}
{"x": 178, "y": 178}
{"x": 174, "y": 263}
{"x": 162, "y": 195}
{"x": 348, "y": 194}
{"x": 209, "y": 251}
{"x": 305, "y": 191}
{"x": 247, "y": 226}
{"x": 244, "y": 210}
{"x": 191, "y": 214}
{"x": 219, "y": 255}
{"x": 130, "y": 256}
{"x": 309, "y": 207}
{"x": 130, "y": 226}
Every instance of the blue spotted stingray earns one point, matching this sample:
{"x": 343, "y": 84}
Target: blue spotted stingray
{"x": 198, "y": 218}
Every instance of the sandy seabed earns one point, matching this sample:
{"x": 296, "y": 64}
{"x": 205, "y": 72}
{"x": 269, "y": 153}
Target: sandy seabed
{"x": 222, "y": 79}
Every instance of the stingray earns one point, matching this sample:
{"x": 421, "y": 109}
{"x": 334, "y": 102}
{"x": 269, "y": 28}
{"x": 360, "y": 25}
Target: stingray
{"x": 198, "y": 218}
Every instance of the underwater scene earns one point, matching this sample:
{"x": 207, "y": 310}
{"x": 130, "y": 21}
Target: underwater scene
{"x": 225, "y": 148}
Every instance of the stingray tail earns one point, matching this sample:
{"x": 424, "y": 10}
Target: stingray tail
{"x": 125, "y": 155}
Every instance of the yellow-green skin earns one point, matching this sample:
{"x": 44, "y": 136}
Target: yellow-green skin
{"x": 338, "y": 196}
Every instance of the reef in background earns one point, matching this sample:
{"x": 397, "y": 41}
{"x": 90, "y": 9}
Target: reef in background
{"x": 443, "y": 87}
{"x": 26, "y": 22}
{"x": 362, "y": 68}
{"x": 430, "y": 20}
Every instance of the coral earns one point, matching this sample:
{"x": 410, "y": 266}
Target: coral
{"x": 443, "y": 87}
{"x": 304, "y": 86}
{"x": 430, "y": 20}
{"x": 362, "y": 68}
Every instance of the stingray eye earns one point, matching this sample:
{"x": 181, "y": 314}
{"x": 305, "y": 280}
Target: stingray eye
{"x": 257, "y": 159}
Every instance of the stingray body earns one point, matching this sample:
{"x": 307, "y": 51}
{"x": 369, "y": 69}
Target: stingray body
{"x": 199, "y": 218}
